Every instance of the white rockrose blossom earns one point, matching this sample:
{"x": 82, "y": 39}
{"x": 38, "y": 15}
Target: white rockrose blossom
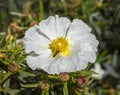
{"x": 100, "y": 73}
{"x": 58, "y": 45}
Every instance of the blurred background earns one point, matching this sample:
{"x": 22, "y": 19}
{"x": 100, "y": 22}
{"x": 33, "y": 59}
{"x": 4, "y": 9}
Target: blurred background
{"x": 103, "y": 16}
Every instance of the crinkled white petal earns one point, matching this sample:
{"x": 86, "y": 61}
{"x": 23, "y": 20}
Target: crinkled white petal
{"x": 54, "y": 27}
{"x": 78, "y": 29}
{"x": 88, "y": 56}
{"x": 62, "y": 25}
{"x": 37, "y": 62}
{"x": 84, "y": 43}
{"x": 79, "y": 63}
{"x": 85, "y": 51}
{"x": 33, "y": 41}
{"x": 70, "y": 64}
{"x": 88, "y": 38}
{"x": 48, "y": 27}
{"x": 87, "y": 48}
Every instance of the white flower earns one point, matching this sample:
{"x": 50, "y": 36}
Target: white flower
{"x": 100, "y": 72}
{"x": 58, "y": 45}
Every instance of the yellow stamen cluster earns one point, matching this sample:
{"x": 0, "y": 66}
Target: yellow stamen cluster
{"x": 59, "y": 46}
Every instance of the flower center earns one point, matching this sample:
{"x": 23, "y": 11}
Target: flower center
{"x": 59, "y": 46}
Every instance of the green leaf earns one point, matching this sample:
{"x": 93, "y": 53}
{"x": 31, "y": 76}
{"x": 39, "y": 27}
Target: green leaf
{"x": 87, "y": 73}
{"x": 1, "y": 89}
{"x": 29, "y": 85}
{"x": 4, "y": 62}
{"x": 52, "y": 92}
{"x": 16, "y": 14}
{"x": 90, "y": 81}
{"x": 6, "y": 75}
{"x": 11, "y": 91}
{"x": 115, "y": 56}
{"x": 53, "y": 76}
{"x": 26, "y": 73}
{"x": 102, "y": 55}
{"x": 6, "y": 84}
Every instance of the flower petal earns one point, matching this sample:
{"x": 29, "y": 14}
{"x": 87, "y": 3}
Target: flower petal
{"x": 48, "y": 27}
{"x": 60, "y": 65}
{"x": 62, "y": 24}
{"x": 34, "y": 41}
{"x": 88, "y": 38}
{"x": 54, "y": 27}
{"x": 87, "y": 53}
{"x": 70, "y": 64}
{"x": 77, "y": 29}
{"x": 80, "y": 63}
{"x": 38, "y": 61}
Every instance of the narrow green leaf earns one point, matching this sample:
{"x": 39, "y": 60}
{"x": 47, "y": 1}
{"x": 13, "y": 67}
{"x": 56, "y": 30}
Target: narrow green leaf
{"x": 101, "y": 56}
{"x": 16, "y": 14}
{"x": 4, "y": 62}
{"x": 11, "y": 91}
{"x": 53, "y": 76}
{"x": 26, "y": 73}
{"x": 52, "y": 92}
{"x": 29, "y": 85}
{"x": 115, "y": 56}
{"x": 1, "y": 89}
{"x": 6, "y": 84}
{"x": 90, "y": 81}
{"x": 6, "y": 75}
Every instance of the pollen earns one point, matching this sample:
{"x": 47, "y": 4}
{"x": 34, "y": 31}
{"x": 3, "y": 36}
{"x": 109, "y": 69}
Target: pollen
{"x": 59, "y": 46}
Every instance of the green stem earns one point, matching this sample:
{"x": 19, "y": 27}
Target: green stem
{"x": 47, "y": 93}
{"x": 43, "y": 92}
{"x": 41, "y": 10}
{"x": 65, "y": 88}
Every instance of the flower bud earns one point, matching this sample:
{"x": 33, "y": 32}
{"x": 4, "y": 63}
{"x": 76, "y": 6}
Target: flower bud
{"x": 82, "y": 81}
{"x": 12, "y": 27}
{"x": 99, "y": 4}
{"x": 44, "y": 85}
{"x": 64, "y": 76}
{"x": 33, "y": 23}
{"x": 112, "y": 91}
{"x": 13, "y": 67}
{"x": 10, "y": 37}
{"x": 2, "y": 54}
